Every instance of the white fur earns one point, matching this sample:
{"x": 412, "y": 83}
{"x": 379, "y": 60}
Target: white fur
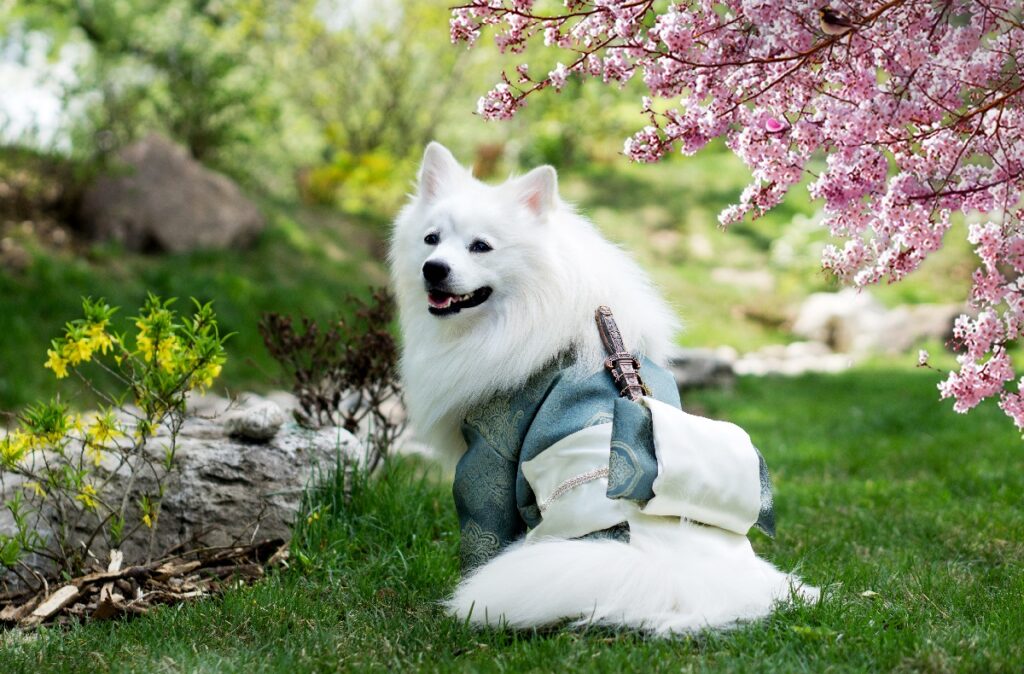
{"x": 549, "y": 270}
{"x": 664, "y": 582}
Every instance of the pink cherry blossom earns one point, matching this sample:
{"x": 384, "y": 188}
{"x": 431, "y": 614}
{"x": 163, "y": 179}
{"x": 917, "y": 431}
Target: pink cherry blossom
{"x": 918, "y": 111}
{"x": 772, "y": 125}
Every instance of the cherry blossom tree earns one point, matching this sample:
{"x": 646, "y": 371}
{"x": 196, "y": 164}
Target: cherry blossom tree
{"x": 917, "y": 107}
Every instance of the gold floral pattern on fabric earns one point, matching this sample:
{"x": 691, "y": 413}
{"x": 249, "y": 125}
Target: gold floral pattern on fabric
{"x": 479, "y": 484}
{"x": 632, "y": 463}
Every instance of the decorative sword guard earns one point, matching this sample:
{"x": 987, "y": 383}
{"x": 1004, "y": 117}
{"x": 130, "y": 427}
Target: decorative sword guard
{"x": 624, "y": 368}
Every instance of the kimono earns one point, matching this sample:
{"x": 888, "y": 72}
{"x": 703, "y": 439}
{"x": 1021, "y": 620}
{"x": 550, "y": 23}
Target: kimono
{"x": 565, "y": 456}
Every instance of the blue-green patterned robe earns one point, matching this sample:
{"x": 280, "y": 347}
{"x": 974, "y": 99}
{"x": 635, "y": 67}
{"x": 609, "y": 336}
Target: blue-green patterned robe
{"x": 494, "y": 501}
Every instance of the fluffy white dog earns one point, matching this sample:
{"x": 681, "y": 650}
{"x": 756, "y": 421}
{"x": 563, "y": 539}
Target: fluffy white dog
{"x": 574, "y": 503}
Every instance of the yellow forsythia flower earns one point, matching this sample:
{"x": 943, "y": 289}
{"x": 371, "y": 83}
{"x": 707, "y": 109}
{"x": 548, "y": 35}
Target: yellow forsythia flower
{"x": 94, "y": 453}
{"x": 145, "y": 346}
{"x": 16, "y": 445}
{"x": 78, "y": 351}
{"x": 166, "y": 352}
{"x": 87, "y": 495}
{"x": 36, "y": 488}
{"x": 10, "y": 450}
{"x": 57, "y": 363}
{"x": 104, "y": 430}
{"x": 98, "y": 337}
{"x": 204, "y": 376}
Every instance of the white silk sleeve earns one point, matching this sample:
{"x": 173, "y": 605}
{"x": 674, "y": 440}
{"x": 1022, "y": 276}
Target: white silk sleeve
{"x": 708, "y": 471}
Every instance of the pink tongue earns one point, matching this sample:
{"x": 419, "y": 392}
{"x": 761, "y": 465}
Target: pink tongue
{"x": 439, "y": 301}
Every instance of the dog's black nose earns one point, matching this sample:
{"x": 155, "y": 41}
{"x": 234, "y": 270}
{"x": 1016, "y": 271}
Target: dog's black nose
{"x": 435, "y": 272}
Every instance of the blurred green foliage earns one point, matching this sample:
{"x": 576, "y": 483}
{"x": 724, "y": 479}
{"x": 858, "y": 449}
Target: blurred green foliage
{"x": 305, "y": 263}
{"x": 328, "y": 100}
{"x": 321, "y": 108}
{"x": 187, "y": 68}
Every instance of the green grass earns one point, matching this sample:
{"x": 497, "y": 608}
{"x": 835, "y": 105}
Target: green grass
{"x": 878, "y": 487}
{"x": 306, "y": 262}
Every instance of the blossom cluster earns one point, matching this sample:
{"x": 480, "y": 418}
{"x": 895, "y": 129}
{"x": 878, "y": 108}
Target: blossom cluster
{"x": 58, "y": 454}
{"x": 916, "y": 106}
{"x": 50, "y": 427}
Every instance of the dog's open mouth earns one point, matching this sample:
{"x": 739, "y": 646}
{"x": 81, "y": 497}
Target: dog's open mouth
{"x": 443, "y": 304}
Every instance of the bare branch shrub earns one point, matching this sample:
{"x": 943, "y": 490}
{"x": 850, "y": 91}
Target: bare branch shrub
{"x": 344, "y": 373}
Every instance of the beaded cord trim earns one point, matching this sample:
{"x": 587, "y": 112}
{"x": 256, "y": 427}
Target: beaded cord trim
{"x": 573, "y": 482}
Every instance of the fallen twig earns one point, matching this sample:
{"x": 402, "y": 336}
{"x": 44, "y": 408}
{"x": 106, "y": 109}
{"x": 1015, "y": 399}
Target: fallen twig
{"x": 117, "y": 591}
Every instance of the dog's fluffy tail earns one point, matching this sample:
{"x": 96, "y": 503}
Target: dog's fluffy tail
{"x": 694, "y": 578}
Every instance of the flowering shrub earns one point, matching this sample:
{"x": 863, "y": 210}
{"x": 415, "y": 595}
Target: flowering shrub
{"x": 64, "y": 461}
{"x": 917, "y": 106}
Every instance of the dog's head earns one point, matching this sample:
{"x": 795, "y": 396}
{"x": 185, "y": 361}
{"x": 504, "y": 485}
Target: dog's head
{"x": 495, "y": 281}
{"x": 462, "y": 248}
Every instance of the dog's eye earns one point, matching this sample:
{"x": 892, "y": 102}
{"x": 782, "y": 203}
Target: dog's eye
{"x": 432, "y": 239}
{"x": 479, "y": 246}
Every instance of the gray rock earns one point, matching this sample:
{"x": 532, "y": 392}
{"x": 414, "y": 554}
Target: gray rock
{"x": 227, "y": 489}
{"x": 701, "y": 368}
{"x": 286, "y": 400}
{"x": 854, "y": 322}
{"x": 223, "y": 489}
{"x": 161, "y": 199}
{"x": 258, "y": 422}
{"x": 849, "y": 321}
{"x": 207, "y": 405}
{"x": 793, "y": 359}
{"x": 908, "y": 325}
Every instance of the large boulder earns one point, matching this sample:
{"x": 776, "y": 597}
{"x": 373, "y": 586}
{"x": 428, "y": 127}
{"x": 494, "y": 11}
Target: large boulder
{"x": 227, "y": 488}
{"x": 793, "y": 359}
{"x": 854, "y": 322}
{"x": 158, "y": 198}
{"x": 849, "y": 321}
{"x": 228, "y": 485}
{"x": 910, "y": 324}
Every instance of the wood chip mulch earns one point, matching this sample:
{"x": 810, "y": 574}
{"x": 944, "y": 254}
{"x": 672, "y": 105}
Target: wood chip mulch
{"x": 135, "y": 590}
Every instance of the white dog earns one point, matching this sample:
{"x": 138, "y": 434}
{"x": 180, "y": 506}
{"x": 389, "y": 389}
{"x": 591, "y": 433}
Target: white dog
{"x": 574, "y": 503}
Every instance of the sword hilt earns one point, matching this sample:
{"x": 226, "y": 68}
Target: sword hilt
{"x": 624, "y": 368}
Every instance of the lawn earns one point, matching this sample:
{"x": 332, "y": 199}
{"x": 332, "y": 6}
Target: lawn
{"x": 909, "y": 514}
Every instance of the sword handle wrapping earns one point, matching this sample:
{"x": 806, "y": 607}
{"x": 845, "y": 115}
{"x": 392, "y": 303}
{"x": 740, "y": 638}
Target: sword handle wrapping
{"x": 609, "y": 330}
{"x": 624, "y": 368}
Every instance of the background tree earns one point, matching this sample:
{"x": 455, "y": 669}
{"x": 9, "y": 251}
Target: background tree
{"x": 372, "y": 89}
{"x": 191, "y": 69}
{"x": 903, "y": 112}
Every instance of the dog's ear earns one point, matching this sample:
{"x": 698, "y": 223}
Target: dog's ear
{"x": 538, "y": 189}
{"x": 439, "y": 167}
